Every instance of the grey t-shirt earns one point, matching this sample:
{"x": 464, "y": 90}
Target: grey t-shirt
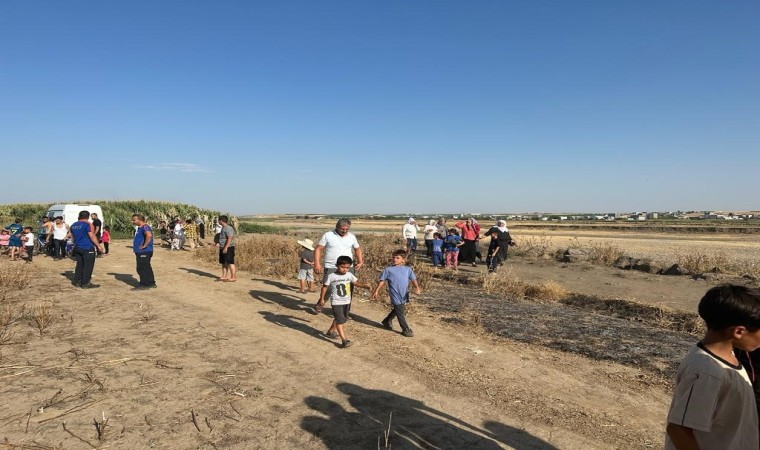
{"x": 309, "y": 256}
{"x": 227, "y": 231}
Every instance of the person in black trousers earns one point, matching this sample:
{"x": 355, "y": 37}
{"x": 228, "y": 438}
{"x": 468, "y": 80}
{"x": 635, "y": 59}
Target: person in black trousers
{"x": 85, "y": 246}
{"x": 142, "y": 245}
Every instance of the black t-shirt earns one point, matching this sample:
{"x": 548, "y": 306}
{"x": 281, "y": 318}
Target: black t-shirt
{"x": 98, "y": 225}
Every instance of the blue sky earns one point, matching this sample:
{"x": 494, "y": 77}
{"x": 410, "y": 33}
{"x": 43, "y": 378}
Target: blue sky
{"x": 394, "y": 106}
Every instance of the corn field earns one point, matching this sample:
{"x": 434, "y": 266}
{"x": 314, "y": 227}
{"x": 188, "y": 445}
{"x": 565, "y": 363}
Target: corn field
{"x": 118, "y": 214}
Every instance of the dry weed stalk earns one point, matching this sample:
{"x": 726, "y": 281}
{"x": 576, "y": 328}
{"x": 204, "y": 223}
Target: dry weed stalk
{"x": 6, "y": 334}
{"x": 14, "y": 277}
{"x": 8, "y": 315}
{"x": 147, "y": 314}
{"x": 605, "y": 253}
{"x": 701, "y": 262}
{"x": 507, "y": 285}
{"x": 535, "y": 246}
{"x": 385, "y": 439}
{"x": 100, "y": 426}
{"x": 43, "y": 317}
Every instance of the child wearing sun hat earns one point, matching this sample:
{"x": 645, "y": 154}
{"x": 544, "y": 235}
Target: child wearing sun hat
{"x": 306, "y": 269}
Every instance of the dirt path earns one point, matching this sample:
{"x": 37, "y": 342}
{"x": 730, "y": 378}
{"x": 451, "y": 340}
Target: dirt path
{"x": 248, "y": 360}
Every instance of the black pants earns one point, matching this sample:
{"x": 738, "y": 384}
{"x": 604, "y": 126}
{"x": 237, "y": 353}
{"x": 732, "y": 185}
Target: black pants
{"x": 29, "y": 252}
{"x": 85, "y": 259}
{"x": 202, "y": 231}
{"x": 429, "y": 247}
{"x": 59, "y": 248}
{"x": 497, "y": 259}
{"x": 398, "y": 312}
{"x": 105, "y": 246}
{"x": 144, "y": 270}
{"x": 467, "y": 252}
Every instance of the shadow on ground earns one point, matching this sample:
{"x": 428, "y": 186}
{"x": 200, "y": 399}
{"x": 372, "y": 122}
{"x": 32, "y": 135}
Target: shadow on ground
{"x": 277, "y": 284}
{"x": 126, "y": 278}
{"x": 284, "y": 300}
{"x": 297, "y": 324}
{"x": 299, "y": 304}
{"x": 413, "y": 425}
{"x": 200, "y": 273}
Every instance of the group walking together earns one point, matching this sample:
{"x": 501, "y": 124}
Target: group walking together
{"x": 337, "y": 257}
{"x": 447, "y": 247}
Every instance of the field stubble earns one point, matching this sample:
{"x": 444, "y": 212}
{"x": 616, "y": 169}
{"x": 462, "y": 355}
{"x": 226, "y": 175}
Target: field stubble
{"x": 641, "y": 335}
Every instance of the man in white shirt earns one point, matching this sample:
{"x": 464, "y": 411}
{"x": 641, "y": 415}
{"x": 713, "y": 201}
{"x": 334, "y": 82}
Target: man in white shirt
{"x": 334, "y": 244}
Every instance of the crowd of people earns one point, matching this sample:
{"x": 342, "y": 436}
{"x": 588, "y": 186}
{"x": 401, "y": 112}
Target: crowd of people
{"x": 178, "y": 233}
{"x": 715, "y": 399}
{"x": 53, "y": 238}
{"x": 448, "y": 247}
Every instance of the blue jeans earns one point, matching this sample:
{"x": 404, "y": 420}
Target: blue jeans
{"x": 437, "y": 259}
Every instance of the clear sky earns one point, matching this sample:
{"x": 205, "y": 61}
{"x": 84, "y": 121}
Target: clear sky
{"x": 391, "y": 106}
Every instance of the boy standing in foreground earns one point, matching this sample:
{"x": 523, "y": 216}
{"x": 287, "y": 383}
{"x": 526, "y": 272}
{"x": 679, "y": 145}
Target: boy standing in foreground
{"x": 339, "y": 285}
{"x": 713, "y": 403}
{"x": 398, "y": 276}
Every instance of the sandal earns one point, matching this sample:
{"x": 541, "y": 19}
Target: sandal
{"x": 347, "y": 343}
{"x": 332, "y": 335}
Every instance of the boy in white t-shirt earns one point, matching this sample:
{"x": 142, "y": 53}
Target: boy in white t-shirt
{"x": 28, "y": 239}
{"x": 713, "y": 403}
{"x": 339, "y": 284}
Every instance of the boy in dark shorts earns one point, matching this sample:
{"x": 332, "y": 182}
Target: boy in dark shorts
{"x": 398, "y": 276}
{"x": 338, "y": 285}
{"x": 713, "y": 403}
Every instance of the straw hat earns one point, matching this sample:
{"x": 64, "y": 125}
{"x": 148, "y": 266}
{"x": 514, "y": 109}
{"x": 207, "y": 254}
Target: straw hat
{"x": 308, "y": 243}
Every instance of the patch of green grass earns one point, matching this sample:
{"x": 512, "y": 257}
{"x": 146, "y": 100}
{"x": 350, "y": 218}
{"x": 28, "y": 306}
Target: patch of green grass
{"x": 258, "y": 228}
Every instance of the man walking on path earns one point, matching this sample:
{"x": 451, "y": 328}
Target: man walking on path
{"x": 227, "y": 250}
{"x": 335, "y": 244}
{"x": 332, "y": 246}
{"x": 142, "y": 245}
{"x": 85, "y": 246}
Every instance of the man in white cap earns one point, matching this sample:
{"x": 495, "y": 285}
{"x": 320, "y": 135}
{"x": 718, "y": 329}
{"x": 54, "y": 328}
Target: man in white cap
{"x": 306, "y": 270}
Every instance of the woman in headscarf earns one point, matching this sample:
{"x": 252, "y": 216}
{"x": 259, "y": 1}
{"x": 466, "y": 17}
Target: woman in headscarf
{"x": 429, "y": 230}
{"x": 409, "y": 231}
{"x": 470, "y": 230}
{"x": 441, "y": 225}
{"x": 501, "y": 240}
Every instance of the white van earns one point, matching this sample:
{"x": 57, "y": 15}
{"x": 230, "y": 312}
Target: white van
{"x": 70, "y": 212}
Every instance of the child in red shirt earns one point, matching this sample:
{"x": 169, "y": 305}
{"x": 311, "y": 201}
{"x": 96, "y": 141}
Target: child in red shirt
{"x": 106, "y": 237}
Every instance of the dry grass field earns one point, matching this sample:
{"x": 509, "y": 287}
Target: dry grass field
{"x": 699, "y": 250}
{"x": 543, "y": 355}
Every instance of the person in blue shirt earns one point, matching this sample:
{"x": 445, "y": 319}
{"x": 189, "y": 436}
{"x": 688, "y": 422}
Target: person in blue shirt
{"x": 14, "y": 244}
{"x": 142, "y": 245}
{"x": 85, "y": 247}
{"x": 398, "y": 276}
{"x": 436, "y": 248}
{"x": 451, "y": 247}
